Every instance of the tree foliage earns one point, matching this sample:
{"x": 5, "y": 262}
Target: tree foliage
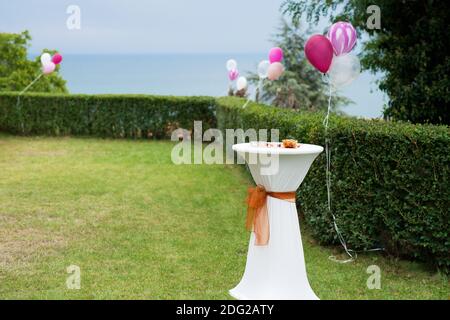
{"x": 411, "y": 49}
{"x": 16, "y": 71}
{"x": 301, "y": 86}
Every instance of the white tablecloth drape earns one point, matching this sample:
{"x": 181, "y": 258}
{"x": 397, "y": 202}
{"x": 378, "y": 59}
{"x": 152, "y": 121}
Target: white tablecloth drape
{"x": 277, "y": 271}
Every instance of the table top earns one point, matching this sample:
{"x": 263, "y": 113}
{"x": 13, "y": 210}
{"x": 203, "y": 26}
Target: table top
{"x": 303, "y": 149}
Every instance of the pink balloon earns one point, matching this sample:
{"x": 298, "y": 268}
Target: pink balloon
{"x": 319, "y": 52}
{"x": 57, "y": 58}
{"x": 342, "y": 36}
{"x": 233, "y": 74}
{"x": 275, "y": 71}
{"x": 275, "y": 55}
{"x": 48, "y": 67}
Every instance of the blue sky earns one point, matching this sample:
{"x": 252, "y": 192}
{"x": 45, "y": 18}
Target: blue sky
{"x": 166, "y": 26}
{"x": 152, "y": 26}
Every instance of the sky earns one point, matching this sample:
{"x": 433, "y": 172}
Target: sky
{"x": 152, "y": 26}
{"x": 166, "y": 26}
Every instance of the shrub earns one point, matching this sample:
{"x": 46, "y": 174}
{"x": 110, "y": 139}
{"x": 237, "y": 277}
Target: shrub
{"x": 117, "y": 116}
{"x": 389, "y": 180}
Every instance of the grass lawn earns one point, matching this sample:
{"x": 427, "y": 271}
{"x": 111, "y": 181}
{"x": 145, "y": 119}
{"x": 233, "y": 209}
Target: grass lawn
{"x": 140, "y": 227}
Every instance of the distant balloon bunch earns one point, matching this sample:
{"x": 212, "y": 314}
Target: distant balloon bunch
{"x": 272, "y": 69}
{"x": 331, "y": 54}
{"x": 233, "y": 75}
{"x": 48, "y": 65}
{"x": 49, "y": 62}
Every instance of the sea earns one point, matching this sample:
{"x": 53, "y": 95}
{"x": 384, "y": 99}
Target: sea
{"x": 188, "y": 75}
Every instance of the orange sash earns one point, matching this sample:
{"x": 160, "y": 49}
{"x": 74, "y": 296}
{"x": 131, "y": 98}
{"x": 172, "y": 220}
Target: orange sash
{"x": 257, "y": 215}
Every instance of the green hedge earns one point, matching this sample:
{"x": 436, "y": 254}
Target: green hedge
{"x": 390, "y": 180}
{"x": 127, "y": 116}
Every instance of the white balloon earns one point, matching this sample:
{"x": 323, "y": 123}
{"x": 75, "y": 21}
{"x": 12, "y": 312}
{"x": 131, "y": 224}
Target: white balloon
{"x": 46, "y": 58}
{"x": 343, "y": 70}
{"x": 241, "y": 83}
{"x": 231, "y": 65}
{"x": 263, "y": 67}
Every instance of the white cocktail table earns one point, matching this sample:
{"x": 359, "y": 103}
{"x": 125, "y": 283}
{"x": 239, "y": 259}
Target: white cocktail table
{"x": 277, "y": 270}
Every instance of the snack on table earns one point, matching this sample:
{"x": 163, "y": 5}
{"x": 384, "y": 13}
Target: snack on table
{"x": 272, "y": 144}
{"x": 286, "y": 143}
{"x": 290, "y": 143}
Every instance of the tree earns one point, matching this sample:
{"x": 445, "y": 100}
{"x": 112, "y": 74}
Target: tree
{"x": 16, "y": 71}
{"x": 411, "y": 48}
{"x": 301, "y": 86}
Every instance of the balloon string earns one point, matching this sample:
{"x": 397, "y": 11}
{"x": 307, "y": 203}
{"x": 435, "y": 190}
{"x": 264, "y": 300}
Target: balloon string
{"x": 351, "y": 253}
{"x": 328, "y": 182}
{"x": 257, "y": 92}
{"x": 20, "y": 94}
{"x": 32, "y": 82}
{"x": 28, "y": 87}
{"x": 246, "y": 103}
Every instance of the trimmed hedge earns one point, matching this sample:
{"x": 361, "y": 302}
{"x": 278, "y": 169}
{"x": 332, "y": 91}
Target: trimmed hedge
{"x": 124, "y": 116}
{"x": 390, "y": 181}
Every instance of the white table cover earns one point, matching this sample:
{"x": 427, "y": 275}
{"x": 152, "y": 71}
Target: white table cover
{"x": 277, "y": 271}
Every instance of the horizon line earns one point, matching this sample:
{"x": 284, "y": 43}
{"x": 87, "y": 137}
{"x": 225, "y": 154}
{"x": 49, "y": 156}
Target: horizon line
{"x": 155, "y": 53}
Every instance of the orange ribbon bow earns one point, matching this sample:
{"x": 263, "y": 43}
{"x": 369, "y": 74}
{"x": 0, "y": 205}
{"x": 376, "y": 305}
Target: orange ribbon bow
{"x": 257, "y": 215}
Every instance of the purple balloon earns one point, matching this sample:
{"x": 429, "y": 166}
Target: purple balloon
{"x": 342, "y": 36}
{"x": 233, "y": 74}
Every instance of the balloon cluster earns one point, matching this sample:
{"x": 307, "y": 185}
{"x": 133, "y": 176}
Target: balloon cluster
{"x": 271, "y": 69}
{"x": 49, "y": 62}
{"x": 233, "y": 75}
{"x": 331, "y": 54}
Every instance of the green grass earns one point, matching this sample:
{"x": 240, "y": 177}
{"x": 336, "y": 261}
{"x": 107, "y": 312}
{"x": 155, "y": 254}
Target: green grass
{"x": 140, "y": 227}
